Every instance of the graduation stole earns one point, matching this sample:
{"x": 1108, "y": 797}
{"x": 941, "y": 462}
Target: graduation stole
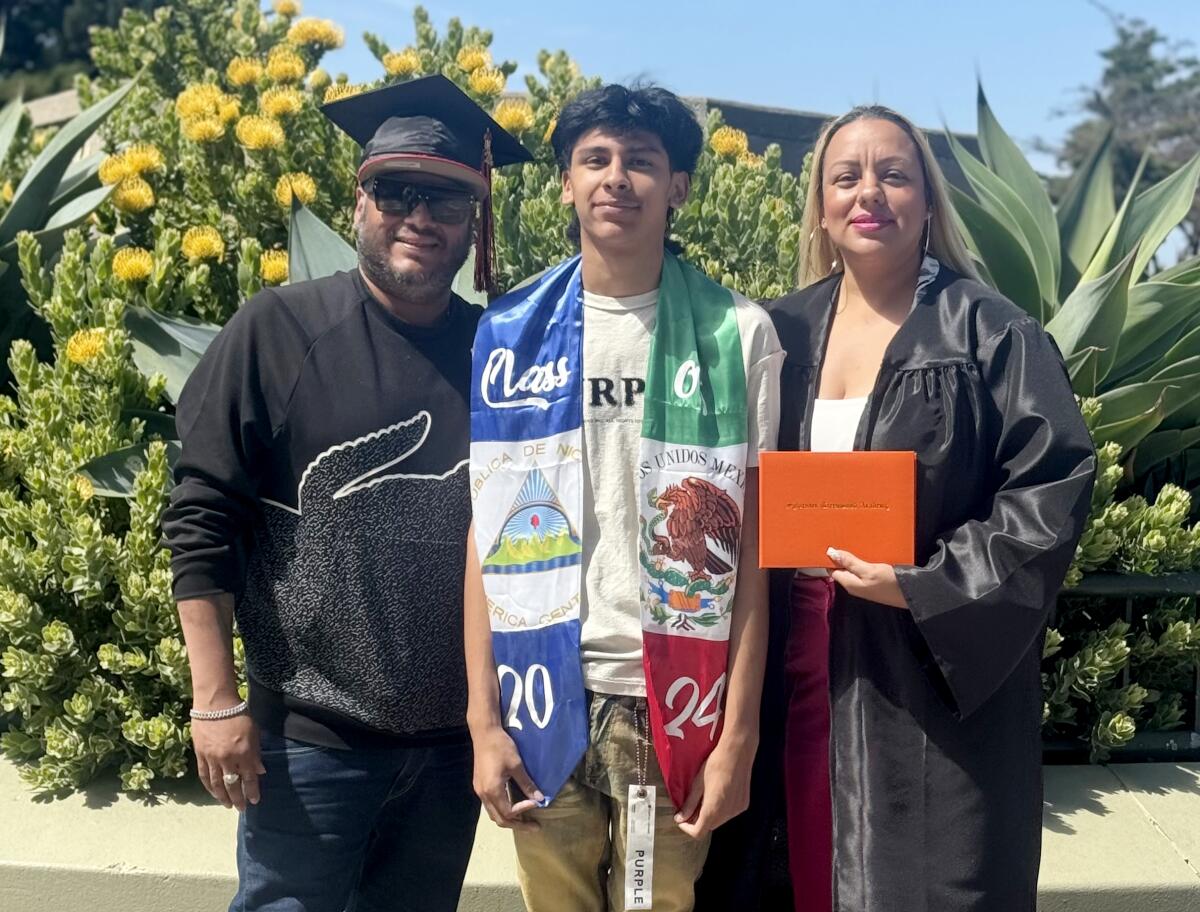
{"x": 527, "y": 494}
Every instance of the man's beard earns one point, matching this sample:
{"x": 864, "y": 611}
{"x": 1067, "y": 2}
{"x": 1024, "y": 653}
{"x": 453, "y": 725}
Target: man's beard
{"x": 417, "y": 287}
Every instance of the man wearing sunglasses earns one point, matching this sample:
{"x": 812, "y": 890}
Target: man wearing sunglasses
{"x": 322, "y": 500}
{"x": 414, "y": 231}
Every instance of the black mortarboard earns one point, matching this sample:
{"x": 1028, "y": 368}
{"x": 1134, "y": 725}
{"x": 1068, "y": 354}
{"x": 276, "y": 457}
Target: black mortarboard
{"x": 428, "y": 125}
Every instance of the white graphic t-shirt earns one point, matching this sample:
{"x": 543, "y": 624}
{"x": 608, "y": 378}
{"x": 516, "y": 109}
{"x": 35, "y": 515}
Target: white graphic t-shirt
{"x": 616, "y": 344}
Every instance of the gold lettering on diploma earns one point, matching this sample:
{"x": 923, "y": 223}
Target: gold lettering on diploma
{"x": 838, "y": 505}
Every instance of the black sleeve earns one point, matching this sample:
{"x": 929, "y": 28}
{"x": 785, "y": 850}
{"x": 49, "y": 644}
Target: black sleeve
{"x": 984, "y": 595}
{"x": 227, "y": 415}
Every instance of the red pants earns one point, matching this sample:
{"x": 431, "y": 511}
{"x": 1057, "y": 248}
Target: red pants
{"x": 806, "y": 757}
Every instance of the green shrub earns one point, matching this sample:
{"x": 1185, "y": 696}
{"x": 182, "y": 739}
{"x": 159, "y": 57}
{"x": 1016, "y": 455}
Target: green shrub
{"x": 94, "y": 671}
{"x": 1092, "y": 646}
{"x": 213, "y": 140}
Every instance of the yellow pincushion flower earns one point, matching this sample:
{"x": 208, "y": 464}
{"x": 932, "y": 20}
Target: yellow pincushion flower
{"x": 550, "y": 129}
{"x": 286, "y": 8}
{"x": 6, "y": 192}
{"x": 274, "y": 266}
{"x": 133, "y": 194}
{"x": 729, "y": 142}
{"x": 198, "y": 100}
{"x": 83, "y": 487}
{"x": 320, "y": 32}
{"x": 243, "y": 71}
{"x": 203, "y": 129}
{"x": 85, "y": 346}
{"x": 281, "y": 101}
{"x": 143, "y": 157}
{"x": 203, "y": 242}
{"x": 113, "y": 170}
{"x": 132, "y": 264}
{"x": 229, "y": 110}
{"x": 340, "y": 90}
{"x": 402, "y": 63}
{"x": 298, "y": 183}
{"x": 285, "y": 65}
{"x": 514, "y": 114}
{"x": 487, "y": 81}
{"x": 473, "y": 57}
{"x": 257, "y": 133}
{"x": 749, "y": 158}
{"x": 135, "y": 160}
{"x": 318, "y": 79}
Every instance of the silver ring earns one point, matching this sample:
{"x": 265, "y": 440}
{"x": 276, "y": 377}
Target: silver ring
{"x": 231, "y": 778}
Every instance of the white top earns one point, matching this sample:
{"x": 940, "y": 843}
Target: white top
{"x": 616, "y": 344}
{"x": 835, "y": 424}
{"x": 834, "y": 427}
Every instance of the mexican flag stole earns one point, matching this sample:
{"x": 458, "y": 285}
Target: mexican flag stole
{"x": 527, "y": 493}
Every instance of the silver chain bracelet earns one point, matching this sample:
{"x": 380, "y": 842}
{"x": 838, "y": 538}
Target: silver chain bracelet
{"x": 208, "y": 715}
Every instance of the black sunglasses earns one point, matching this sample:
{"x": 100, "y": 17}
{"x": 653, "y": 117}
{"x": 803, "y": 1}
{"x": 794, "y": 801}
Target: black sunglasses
{"x": 401, "y": 197}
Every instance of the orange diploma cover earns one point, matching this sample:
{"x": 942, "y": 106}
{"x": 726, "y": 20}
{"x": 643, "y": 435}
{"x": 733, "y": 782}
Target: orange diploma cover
{"x": 861, "y": 502}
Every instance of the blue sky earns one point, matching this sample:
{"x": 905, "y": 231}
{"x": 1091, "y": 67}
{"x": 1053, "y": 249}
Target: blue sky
{"x": 919, "y": 56}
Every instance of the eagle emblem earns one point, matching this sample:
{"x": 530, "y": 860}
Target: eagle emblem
{"x": 699, "y": 515}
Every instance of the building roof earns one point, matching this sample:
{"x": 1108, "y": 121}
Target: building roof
{"x": 796, "y": 132}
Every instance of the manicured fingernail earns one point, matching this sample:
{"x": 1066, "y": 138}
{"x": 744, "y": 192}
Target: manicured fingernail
{"x": 834, "y": 554}
{"x": 679, "y": 818}
{"x": 539, "y": 797}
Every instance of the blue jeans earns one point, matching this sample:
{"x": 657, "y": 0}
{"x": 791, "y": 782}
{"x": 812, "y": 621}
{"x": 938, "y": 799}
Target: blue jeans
{"x": 381, "y": 830}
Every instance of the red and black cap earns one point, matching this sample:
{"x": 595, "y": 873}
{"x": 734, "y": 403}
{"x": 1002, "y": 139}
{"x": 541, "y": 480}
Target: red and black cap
{"x": 427, "y": 125}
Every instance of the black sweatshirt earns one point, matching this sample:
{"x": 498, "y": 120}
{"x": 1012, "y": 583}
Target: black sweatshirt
{"x": 323, "y": 482}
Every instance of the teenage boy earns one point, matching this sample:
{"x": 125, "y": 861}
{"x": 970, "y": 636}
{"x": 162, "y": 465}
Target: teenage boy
{"x": 322, "y": 500}
{"x": 616, "y": 615}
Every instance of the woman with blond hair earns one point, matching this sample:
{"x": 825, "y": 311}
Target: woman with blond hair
{"x": 913, "y": 750}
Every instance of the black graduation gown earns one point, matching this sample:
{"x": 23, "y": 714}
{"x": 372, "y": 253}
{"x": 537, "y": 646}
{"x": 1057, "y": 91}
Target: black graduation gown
{"x": 936, "y": 711}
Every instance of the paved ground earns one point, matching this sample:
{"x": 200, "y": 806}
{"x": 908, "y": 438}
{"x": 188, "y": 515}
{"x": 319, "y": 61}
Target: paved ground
{"x": 1116, "y": 839}
{"x": 1121, "y": 838}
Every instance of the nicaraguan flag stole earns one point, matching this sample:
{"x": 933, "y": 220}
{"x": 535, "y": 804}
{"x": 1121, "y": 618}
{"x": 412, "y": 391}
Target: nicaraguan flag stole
{"x": 527, "y": 490}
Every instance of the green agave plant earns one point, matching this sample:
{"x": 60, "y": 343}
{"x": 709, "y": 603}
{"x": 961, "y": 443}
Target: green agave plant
{"x": 1130, "y": 339}
{"x": 1132, "y": 347}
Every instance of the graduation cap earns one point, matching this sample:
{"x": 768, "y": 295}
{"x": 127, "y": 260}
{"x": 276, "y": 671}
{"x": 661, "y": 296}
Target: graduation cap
{"x": 431, "y": 126}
